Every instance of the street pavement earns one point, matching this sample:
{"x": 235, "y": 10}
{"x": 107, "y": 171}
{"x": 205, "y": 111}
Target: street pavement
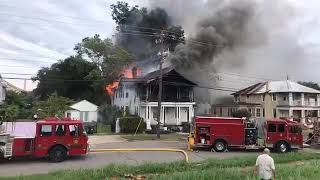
{"x": 97, "y": 160}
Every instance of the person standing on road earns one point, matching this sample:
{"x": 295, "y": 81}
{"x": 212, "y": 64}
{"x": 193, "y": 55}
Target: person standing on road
{"x": 265, "y": 166}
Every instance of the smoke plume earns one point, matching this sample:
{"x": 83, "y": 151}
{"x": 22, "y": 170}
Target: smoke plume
{"x": 239, "y": 36}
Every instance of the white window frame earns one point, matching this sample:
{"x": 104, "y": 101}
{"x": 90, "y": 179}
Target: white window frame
{"x": 274, "y": 97}
{"x": 257, "y": 112}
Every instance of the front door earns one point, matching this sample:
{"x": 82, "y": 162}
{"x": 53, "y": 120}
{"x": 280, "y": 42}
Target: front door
{"x": 76, "y": 145}
{"x": 295, "y": 137}
{"x": 44, "y": 139}
{"x": 275, "y": 132}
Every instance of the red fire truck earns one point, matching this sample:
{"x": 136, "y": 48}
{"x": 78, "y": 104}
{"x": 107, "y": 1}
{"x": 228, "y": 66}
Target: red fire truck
{"x": 54, "y": 138}
{"x": 221, "y": 133}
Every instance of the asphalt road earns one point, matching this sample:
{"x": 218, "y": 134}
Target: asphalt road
{"x": 96, "y": 160}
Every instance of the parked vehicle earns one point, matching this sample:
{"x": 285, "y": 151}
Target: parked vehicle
{"x": 52, "y": 137}
{"x": 221, "y": 133}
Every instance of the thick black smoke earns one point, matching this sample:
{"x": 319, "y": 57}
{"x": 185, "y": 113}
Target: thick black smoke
{"x": 225, "y": 29}
{"x": 251, "y": 37}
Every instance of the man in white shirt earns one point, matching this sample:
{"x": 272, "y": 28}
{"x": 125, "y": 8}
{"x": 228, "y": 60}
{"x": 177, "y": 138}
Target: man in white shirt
{"x": 265, "y": 166}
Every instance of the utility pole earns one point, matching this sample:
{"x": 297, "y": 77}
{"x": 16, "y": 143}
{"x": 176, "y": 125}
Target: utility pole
{"x": 160, "y": 86}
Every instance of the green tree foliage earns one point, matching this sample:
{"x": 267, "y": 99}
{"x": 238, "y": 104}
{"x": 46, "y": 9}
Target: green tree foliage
{"x": 139, "y": 29}
{"x": 54, "y": 106}
{"x": 310, "y": 84}
{"x": 16, "y": 106}
{"x": 109, "y": 58}
{"x": 240, "y": 113}
{"x": 109, "y": 113}
{"x": 67, "y": 78}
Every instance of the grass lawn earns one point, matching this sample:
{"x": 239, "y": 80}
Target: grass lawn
{"x": 103, "y": 129}
{"x": 292, "y": 166}
{"x": 164, "y": 137}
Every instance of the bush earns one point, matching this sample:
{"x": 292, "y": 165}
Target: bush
{"x": 109, "y": 115}
{"x": 130, "y": 124}
{"x": 185, "y": 127}
{"x": 241, "y": 113}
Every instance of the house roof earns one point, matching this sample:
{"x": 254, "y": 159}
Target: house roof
{"x": 84, "y": 105}
{"x": 11, "y": 87}
{"x": 276, "y": 87}
{"x": 169, "y": 75}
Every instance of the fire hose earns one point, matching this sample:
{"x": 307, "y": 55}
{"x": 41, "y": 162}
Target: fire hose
{"x": 143, "y": 149}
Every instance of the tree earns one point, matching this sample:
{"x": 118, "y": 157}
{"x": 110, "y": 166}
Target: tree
{"x": 16, "y": 106}
{"x": 54, "y": 106}
{"x": 310, "y": 84}
{"x": 67, "y": 78}
{"x": 108, "y": 58}
{"x": 140, "y": 28}
{"x": 240, "y": 113}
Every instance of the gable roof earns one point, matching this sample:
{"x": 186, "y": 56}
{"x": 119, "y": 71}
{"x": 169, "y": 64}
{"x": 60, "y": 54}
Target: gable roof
{"x": 276, "y": 87}
{"x": 84, "y": 105}
{"x": 170, "y": 74}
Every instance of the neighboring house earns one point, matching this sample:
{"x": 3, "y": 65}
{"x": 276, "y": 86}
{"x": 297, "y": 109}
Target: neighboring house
{"x": 139, "y": 96}
{"x": 3, "y": 90}
{"x": 278, "y": 99}
{"x": 11, "y": 87}
{"x": 84, "y": 111}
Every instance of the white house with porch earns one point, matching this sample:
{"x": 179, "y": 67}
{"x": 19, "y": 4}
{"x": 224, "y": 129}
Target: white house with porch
{"x": 140, "y": 97}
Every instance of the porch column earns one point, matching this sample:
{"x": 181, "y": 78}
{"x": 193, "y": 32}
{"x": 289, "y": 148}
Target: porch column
{"x": 162, "y": 115}
{"x": 190, "y": 114}
{"x": 290, "y": 113}
{"x": 318, "y": 113}
{"x": 303, "y": 117}
{"x": 290, "y": 99}
{"x": 178, "y": 115}
{"x": 148, "y": 117}
{"x": 302, "y": 99}
{"x": 318, "y": 100}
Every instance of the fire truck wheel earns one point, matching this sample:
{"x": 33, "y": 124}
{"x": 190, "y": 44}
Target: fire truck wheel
{"x": 220, "y": 146}
{"x": 58, "y": 154}
{"x": 282, "y": 147}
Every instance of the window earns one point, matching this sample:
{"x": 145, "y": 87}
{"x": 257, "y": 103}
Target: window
{"x": 60, "y": 130}
{"x": 263, "y": 97}
{"x": 294, "y": 129}
{"x": 272, "y": 128}
{"x": 263, "y": 113}
{"x": 214, "y": 111}
{"x": 248, "y": 96}
{"x": 284, "y": 98}
{"x": 127, "y": 94}
{"x": 274, "y": 113}
{"x": 274, "y": 97}
{"x": 281, "y": 128}
{"x": 221, "y": 111}
{"x": 74, "y": 130}
{"x": 46, "y": 130}
{"x": 258, "y": 112}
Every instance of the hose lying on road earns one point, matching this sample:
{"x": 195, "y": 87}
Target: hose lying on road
{"x": 143, "y": 149}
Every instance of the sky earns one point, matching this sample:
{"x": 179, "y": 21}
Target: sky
{"x": 37, "y": 33}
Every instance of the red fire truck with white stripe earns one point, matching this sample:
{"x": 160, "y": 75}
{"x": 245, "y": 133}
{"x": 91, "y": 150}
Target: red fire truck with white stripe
{"x": 52, "y": 137}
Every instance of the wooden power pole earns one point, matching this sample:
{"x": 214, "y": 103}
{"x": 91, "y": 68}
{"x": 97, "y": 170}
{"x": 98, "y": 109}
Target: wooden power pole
{"x": 160, "y": 86}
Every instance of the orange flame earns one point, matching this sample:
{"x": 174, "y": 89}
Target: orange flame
{"x": 111, "y": 87}
{"x": 127, "y": 73}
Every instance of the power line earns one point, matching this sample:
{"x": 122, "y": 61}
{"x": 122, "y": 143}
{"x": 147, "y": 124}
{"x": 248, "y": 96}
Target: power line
{"x": 131, "y": 80}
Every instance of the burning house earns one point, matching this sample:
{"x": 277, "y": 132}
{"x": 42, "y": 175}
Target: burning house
{"x": 138, "y": 94}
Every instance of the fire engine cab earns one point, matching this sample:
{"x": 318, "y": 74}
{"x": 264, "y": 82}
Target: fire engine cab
{"x": 221, "y": 133}
{"x": 52, "y": 137}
